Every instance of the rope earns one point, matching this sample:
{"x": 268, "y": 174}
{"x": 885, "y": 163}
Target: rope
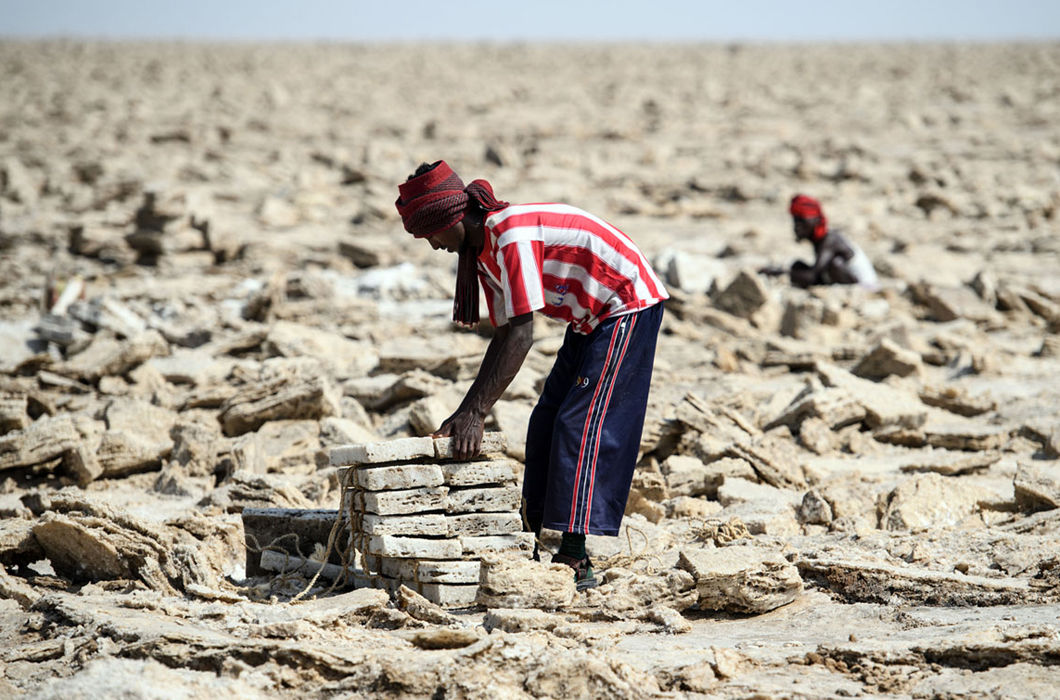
{"x": 651, "y": 562}
{"x": 538, "y": 544}
{"x": 721, "y": 533}
{"x": 345, "y": 555}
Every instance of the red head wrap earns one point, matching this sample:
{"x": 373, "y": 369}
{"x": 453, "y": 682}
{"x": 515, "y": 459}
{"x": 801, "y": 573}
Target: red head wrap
{"x": 432, "y": 202}
{"x": 436, "y": 200}
{"x": 803, "y": 207}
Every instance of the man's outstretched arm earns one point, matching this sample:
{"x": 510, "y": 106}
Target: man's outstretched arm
{"x": 504, "y": 356}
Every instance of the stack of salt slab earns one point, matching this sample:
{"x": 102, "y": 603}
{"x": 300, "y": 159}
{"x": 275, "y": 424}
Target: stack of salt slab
{"x": 420, "y": 519}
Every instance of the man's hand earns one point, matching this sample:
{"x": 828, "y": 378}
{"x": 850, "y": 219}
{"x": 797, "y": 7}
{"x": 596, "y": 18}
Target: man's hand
{"x": 466, "y": 429}
{"x": 803, "y": 276}
{"x": 502, "y": 361}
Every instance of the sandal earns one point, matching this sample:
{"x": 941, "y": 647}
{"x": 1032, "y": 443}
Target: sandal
{"x": 583, "y": 570}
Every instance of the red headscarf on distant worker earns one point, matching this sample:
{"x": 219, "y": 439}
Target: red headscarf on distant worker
{"x": 436, "y": 200}
{"x": 803, "y": 207}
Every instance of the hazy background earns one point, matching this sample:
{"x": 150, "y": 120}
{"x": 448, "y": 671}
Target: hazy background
{"x": 664, "y": 20}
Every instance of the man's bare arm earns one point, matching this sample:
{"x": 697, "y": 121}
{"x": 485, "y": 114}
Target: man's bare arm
{"x": 824, "y": 259}
{"x": 504, "y": 356}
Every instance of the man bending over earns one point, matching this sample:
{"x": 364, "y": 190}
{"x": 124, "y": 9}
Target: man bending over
{"x": 584, "y": 434}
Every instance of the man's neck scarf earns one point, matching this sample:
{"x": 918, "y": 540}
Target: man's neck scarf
{"x": 437, "y": 200}
{"x": 803, "y": 207}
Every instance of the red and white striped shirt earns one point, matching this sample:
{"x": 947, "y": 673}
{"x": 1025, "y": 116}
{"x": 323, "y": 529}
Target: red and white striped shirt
{"x": 564, "y": 262}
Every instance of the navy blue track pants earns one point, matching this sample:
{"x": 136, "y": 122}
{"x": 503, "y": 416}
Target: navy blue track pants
{"x": 584, "y": 434}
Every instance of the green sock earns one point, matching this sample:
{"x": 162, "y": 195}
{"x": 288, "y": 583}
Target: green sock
{"x": 573, "y": 545}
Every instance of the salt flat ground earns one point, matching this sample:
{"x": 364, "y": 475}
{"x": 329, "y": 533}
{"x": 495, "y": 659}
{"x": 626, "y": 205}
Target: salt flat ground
{"x": 229, "y": 211}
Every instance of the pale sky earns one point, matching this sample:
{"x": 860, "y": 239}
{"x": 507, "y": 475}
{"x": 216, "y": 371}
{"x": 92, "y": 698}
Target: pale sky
{"x": 532, "y": 20}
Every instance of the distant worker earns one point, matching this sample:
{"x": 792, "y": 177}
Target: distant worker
{"x": 584, "y": 434}
{"x": 837, "y": 259}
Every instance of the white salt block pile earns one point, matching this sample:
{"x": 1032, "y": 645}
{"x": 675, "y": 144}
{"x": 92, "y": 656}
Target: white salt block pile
{"x": 422, "y": 520}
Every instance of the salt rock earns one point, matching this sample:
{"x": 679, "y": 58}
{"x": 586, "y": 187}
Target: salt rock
{"x": 985, "y": 285}
{"x": 694, "y": 273}
{"x": 695, "y": 677}
{"x": 341, "y": 355}
{"x": 483, "y": 524}
{"x": 884, "y": 406}
{"x": 276, "y": 399}
{"x": 419, "y": 525}
{"x": 427, "y": 414}
{"x": 246, "y": 454}
{"x": 511, "y": 543}
{"x": 1039, "y": 304}
{"x": 404, "y": 354}
{"x": 397, "y": 476}
{"x": 492, "y": 499}
{"x": 763, "y": 517}
{"x": 17, "y": 544}
{"x": 196, "y": 367}
{"x": 948, "y": 462}
{"x": 16, "y": 183}
{"x": 286, "y": 530}
{"x": 13, "y": 413}
{"x": 957, "y": 401}
{"x": 492, "y": 443}
{"x": 869, "y": 579}
{"x": 741, "y": 578}
{"x": 141, "y": 418}
{"x": 669, "y": 619}
{"x": 651, "y": 483}
{"x": 639, "y": 503}
{"x": 402, "y": 502}
{"x": 694, "y": 508}
{"x": 400, "y": 450}
{"x": 1037, "y": 487}
{"x": 108, "y": 356}
{"x": 420, "y": 608}
{"x": 384, "y": 391}
{"x": 625, "y": 594}
{"x": 835, "y": 407}
{"x": 816, "y": 436}
{"x": 96, "y": 542}
{"x": 195, "y": 447}
{"x": 498, "y": 471}
{"x": 16, "y": 589}
{"x": 951, "y": 303}
{"x": 966, "y": 436}
{"x": 928, "y": 500}
{"x": 887, "y": 358}
{"x": 737, "y": 490}
{"x": 521, "y": 620}
{"x": 772, "y": 462}
{"x": 814, "y": 509}
{"x": 800, "y": 316}
{"x": 248, "y": 490}
{"x": 443, "y": 637}
{"x": 278, "y": 213}
{"x": 514, "y": 582}
{"x": 41, "y": 441}
{"x": 729, "y": 663}
{"x": 705, "y": 479}
{"x": 413, "y": 547}
{"x": 1050, "y": 347}
{"x": 744, "y": 296}
{"x": 512, "y": 418}
{"x": 342, "y": 431}
{"x": 122, "y": 452}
